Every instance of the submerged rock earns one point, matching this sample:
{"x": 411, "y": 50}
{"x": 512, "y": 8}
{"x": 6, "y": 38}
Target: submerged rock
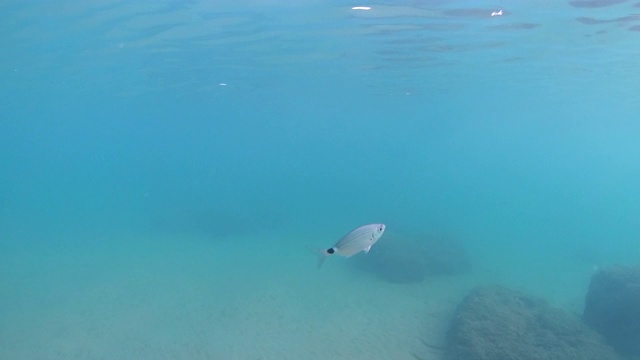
{"x": 495, "y": 323}
{"x": 612, "y": 307}
{"x": 400, "y": 258}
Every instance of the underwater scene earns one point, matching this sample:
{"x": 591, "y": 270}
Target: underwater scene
{"x": 268, "y": 179}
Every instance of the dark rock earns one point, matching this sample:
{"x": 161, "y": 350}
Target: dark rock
{"x": 494, "y": 323}
{"x": 612, "y": 307}
{"x": 400, "y": 258}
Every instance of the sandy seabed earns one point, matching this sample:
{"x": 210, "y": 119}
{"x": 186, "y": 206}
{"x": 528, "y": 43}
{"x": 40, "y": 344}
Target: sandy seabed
{"x": 233, "y": 299}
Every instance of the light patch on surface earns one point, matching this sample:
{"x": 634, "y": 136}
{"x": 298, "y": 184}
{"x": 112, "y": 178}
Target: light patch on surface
{"x": 361, "y": 8}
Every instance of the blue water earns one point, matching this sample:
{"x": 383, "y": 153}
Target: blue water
{"x": 164, "y": 164}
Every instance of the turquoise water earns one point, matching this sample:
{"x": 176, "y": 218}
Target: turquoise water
{"x": 165, "y": 164}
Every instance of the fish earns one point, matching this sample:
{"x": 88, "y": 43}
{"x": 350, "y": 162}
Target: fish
{"x": 357, "y": 240}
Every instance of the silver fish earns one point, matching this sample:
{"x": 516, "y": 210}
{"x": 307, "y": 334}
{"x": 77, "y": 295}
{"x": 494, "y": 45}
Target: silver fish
{"x": 359, "y": 239}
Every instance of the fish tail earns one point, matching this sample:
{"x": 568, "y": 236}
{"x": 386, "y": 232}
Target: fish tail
{"x": 321, "y": 254}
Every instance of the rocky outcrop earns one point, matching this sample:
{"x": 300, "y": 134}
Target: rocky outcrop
{"x": 400, "y": 258}
{"x": 612, "y": 307}
{"x": 495, "y": 323}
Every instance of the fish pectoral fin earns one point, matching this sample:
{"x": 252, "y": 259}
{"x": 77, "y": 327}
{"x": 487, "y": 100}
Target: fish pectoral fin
{"x": 366, "y": 250}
